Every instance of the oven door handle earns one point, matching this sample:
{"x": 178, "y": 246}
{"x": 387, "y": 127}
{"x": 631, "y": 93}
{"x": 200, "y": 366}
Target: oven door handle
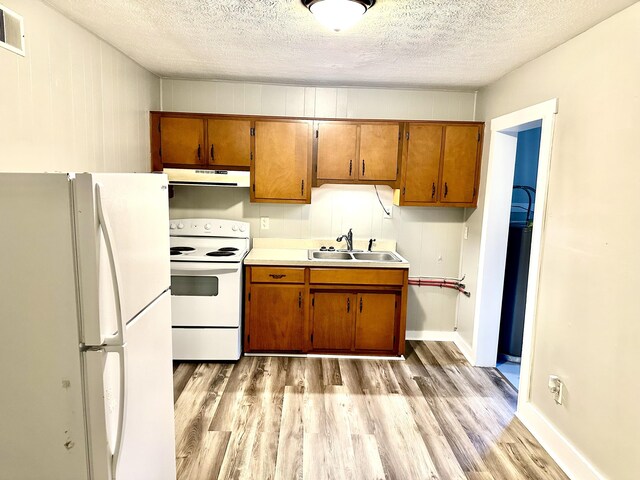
{"x": 200, "y": 271}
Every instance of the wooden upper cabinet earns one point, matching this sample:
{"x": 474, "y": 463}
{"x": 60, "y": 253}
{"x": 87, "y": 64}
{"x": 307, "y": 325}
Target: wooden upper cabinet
{"x": 281, "y": 169}
{"x": 337, "y": 152}
{"x": 182, "y": 141}
{"x": 229, "y": 142}
{"x": 441, "y": 165}
{"x": 459, "y": 163}
{"x": 357, "y": 152}
{"x": 200, "y": 141}
{"x": 379, "y": 151}
{"x": 423, "y": 163}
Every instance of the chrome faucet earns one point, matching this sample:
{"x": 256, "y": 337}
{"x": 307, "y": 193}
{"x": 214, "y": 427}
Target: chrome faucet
{"x": 349, "y": 238}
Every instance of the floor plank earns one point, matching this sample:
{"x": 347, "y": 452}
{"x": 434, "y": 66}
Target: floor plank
{"x": 432, "y": 416}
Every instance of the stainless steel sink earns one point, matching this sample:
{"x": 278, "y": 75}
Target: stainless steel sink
{"x": 354, "y": 257}
{"x": 376, "y": 256}
{"x": 317, "y": 255}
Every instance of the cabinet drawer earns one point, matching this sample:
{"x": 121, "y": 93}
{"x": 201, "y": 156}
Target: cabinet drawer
{"x": 357, "y": 276}
{"x": 277, "y": 275}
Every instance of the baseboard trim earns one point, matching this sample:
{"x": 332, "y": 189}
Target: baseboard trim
{"x": 565, "y": 454}
{"x": 465, "y": 348}
{"x": 430, "y": 335}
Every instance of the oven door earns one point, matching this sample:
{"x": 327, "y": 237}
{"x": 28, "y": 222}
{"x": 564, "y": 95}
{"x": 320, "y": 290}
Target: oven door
{"x": 206, "y": 294}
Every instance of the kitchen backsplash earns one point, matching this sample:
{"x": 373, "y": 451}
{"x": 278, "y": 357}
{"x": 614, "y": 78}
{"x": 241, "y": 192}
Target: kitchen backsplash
{"x": 430, "y": 238}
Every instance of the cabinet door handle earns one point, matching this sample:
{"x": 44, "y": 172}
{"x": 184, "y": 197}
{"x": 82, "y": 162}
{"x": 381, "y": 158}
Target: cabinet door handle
{"x": 198, "y": 151}
{"x": 212, "y": 157}
{"x": 299, "y": 299}
{"x": 433, "y": 190}
{"x": 446, "y": 189}
{"x": 350, "y": 166}
{"x": 277, "y": 275}
{"x": 363, "y": 167}
{"x": 302, "y": 188}
{"x": 360, "y": 304}
{"x": 348, "y": 305}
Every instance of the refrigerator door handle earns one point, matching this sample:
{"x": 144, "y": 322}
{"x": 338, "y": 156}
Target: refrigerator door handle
{"x": 103, "y": 219}
{"x": 117, "y": 448}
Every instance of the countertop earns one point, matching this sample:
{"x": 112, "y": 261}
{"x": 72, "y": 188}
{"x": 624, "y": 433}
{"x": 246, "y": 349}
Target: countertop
{"x": 295, "y": 253}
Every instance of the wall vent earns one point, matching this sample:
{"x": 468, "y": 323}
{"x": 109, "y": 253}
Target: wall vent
{"x": 11, "y": 31}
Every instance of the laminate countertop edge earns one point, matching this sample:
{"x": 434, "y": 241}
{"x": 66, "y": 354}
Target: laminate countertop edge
{"x": 293, "y": 257}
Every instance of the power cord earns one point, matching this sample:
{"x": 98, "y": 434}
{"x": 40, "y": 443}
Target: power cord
{"x": 381, "y": 204}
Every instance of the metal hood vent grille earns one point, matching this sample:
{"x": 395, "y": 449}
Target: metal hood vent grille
{"x": 11, "y": 31}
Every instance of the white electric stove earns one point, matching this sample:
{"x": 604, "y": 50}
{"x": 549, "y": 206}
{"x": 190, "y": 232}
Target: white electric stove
{"x": 206, "y": 287}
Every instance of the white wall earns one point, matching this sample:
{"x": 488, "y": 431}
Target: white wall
{"x": 73, "y": 103}
{"x": 428, "y": 237}
{"x": 587, "y": 325}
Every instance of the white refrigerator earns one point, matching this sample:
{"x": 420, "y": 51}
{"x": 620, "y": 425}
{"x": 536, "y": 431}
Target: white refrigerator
{"x": 85, "y": 327}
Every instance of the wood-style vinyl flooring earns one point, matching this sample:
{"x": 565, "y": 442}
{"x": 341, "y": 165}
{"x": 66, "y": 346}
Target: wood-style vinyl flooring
{"x": 432, "y": 416}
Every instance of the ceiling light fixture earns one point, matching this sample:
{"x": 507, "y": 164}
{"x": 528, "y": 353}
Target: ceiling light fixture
{"x": 338, "y": 14}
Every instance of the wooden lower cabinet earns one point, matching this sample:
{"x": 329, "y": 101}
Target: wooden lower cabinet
{"x": 331, "y": 310}
{"x": 375, "y": 322}
{"x": 332, "y": 321}
{"x": 276, "y": 318}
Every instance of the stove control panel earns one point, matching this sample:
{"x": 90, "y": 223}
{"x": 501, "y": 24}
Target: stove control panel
{"x": 208, "y": 227}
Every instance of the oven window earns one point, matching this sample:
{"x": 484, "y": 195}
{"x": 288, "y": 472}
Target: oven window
{"x": 194, "y": 286}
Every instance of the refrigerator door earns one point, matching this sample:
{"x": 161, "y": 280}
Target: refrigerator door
{"x": 121, "y": 223}
{"x": 130, "y": 401}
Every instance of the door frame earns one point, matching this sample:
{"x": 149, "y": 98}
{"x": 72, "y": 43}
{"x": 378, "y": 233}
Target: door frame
{"x": 495, "y": 230}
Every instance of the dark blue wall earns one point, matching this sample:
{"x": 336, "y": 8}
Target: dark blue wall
{"x": 526, "y": 173}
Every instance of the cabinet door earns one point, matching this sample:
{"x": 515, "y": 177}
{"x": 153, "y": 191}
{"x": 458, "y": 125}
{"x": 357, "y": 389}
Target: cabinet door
{"x": 276, "y": 318}
{"x": 333, "y": 321}
{"x": 182, "y": 141}
{"x": 337, "y": 156}
{"x": 378, "y": 159}
{"x": 423, "y": 163}
{"x": 281, "y": 169}
{"x": 375, "y": 321}
{"x": 459, "y": 163}
{"x": 229, "y": 142}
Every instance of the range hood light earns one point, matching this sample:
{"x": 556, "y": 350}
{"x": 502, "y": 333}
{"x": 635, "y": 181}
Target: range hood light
{"x": 338, "y": 14}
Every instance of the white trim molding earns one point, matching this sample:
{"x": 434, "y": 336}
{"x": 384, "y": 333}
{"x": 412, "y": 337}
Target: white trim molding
{"x": 493, "y": 240}
{"x": 563, "y": 452}
{"x": 465, "y": 348}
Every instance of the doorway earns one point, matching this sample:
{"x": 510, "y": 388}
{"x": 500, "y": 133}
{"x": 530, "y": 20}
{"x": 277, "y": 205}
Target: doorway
{"x": 514, "y": 291}
{"x": 495, "y": 233}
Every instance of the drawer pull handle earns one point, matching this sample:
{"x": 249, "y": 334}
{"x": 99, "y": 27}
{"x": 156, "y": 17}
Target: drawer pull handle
{"x": 433, "y": 190}
{"x": 360, "y": 304}
{"x": 277, "y": 275}
{"x": 299, "y": 299}
{"x": 350, "y": 167}
{"x": 348, "y": 305}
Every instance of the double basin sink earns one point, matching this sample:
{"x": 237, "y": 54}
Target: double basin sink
{"x": 354, "y": 256}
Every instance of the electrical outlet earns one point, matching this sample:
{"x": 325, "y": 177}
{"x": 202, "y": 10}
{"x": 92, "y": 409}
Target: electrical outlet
{"x": 264, "y": 223}
{"x": 388, "y": 208}
{"x": 556, "y": 387}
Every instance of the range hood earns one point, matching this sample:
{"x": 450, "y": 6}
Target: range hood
{"x": 214, "y": 178}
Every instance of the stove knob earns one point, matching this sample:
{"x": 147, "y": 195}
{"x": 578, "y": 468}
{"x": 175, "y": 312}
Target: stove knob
{"x": 234, "y": 228}
{"x": 180, "y": 226}
{"x": 207, "y": 226}
{"x": 242, "y": 228}
{"x": 172, "y": 226}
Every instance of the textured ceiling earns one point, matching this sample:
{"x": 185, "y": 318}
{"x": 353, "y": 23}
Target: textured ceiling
{"x": 458, "y": 44}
